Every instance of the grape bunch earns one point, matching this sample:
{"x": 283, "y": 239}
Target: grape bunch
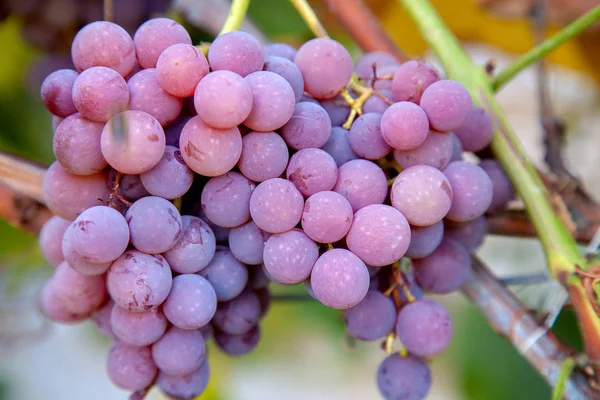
{"x": 185, "y": 185}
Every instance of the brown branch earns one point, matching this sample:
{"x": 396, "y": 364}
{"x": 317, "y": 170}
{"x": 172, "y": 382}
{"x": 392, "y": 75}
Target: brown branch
{"x": 24, "y": 177}
{"x": 363, "y": 25}
{"x": 513, "y": 321}
{"x": 21, "y": 211}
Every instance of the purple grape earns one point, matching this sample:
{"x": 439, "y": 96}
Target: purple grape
{"x": 457, "y": 149}
{"x": 424, "y": 328}
{"x": 155, "y": 36}
{"x": 406, "y": 378}
{"x": 436, "y": 150}
{"x": 102, "y": 319}
{"x": 503, "y": 190}
{"x": 56, "y": 92}
{"x": 289, "y": 71}
{"x": 371, "y": 319}
{"x": 207, "y": 332}
{"x": 385, "y": 84}
{"x": 362, "y": 183}
{"x": 69, "y": 296}
{"x": 447, "y": 104}
{"x": 226, "y": 199}
{"x": 309, "y": 126}
{"x": 312, "y": 171}
{"x": 68, "y": 195}
{"x": 195, "y": 249}
{"x": 257, "y": 277}
{"x": 423, "y": 194}
{"x": 131, "y": 367}
{"x": 379, "y": 235}
{"x": 223, "y": 99}
{"x": 191, "y": 303}
{"x": 339, "y": 279}
{"x": 187, "y": 386}
{"x": 476, "y": 132}
{"x": 364, "y": 66}
{"x": 404, "y": 126}
{"x": 170, "y": 178}
{"x": 179, "y": 69}
{"x": 469, "y": 234}
{"x": 221, "y": 234}
{"x": 264, "y": 156}
{"x": 100, "y": 234}
{"x": 337, "y": 108}
{"x": 76, "y": 145}
{"x": 154, "y": 223}
{"x": 365, "y": 137}
{"x": 264, "y": 296}
{"x": 289, "y": 257}
{"x": 138, "y": 328}
{"x": 105, "y": 44}
{"x": 376, "y": 104}
{"x": 338, "y": 146}
{"x": 327, "y": 217}
{"x": 236, "y": 51}
{"x": 411, "y": 79}
{"x": 210, "y": 151}
{"x": 50, "y": 239}
{"x": 226, "y": 274}
{"x": 308, "y": 287}
{"x": 139, "y": 282}
{"x": 424, "y": 240}
{"x": 131, "y": 188}
{"x": 472, "y": 191}
{"x": 238, "y": 345}
{"x": 247, "y": 243}
{"x": 146, "y": 94}
{"x": 279, "y": 50}
{"x": 326, "y": 67}
{"x": 99, "y": 93}
{"x": 444, "y": 270}
{"x": 273, "y": 101}
{"x": 142, "y": 147}
{"x": 276, "y": 206}
{"x": 179, "y": 352}
{"x": 77, "y": 262}
{"x": 239, "y": 315}
{"x": 173, "y": 130}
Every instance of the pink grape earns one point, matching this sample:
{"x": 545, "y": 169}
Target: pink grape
{"x": 131, "y": 188}
{"x": 76, "y": 145}
{"x": 77, "y": 262}
{"x": 447, "y": 104}
{"x": 276, "y": 206}
{"x": 170, "y": 178}
{"x": 411, "y": 79}
{"x": 226, "y": 199}
{"x": 154, "y": 223}
{"x": 289, "y": 257}
{"x": 376, "y": 104}
{"x": 503, "y": 190}
{"x": 326, "y": 67}
{"x": 179, "y": 352}
{"x": 195, "y": 249}
{"x": 155, "y": 36}
{"x": 279, "y": 50}
{"x": 131, "y": 367}
{"x": 264, "y": 156}
{"x": 379, "y": 235}
{"x": 138, "y": 281}
{"x": 226, "y": 274}
{"x": 337, "y": 108}
{"x": 138, "y": 328}
{"x": 68, "y": 195}
{"x": 236, "y": 51}
{"x": 472, "y": 191}
{"x": 247, "y": 243}
{"x": 273, "y": 101}
{"x": 476, "y": 132}
{"x": 239, "y": 315}
{"x": 436, "y": 150}
{"x": 470, "y": 234}
{"x": 425, "y": 239}
{"x": 142, "y": 147}
{"x": 179, "y": 69}
{"x": 187, "y": 386}
{"x": 339, "y": 279}
{"x": 311, "y": 171}
{"x": 104, "y": 44}
{"x": 327, "y": 217}
{"x": 223, "y": 99}
{"x": 366, "y": 139}
{"x": 191, "y": 303}
{"x": 338, "y": 146}
{"x": 362, "y": 183}
{"x": 99, "y": 93}
{"x": 289, "y": 71}
{"x": 364, "y": 66}
{"x": 423, "y": 194}
{"x": 404, "y": 126}
{"x": 457, "y": 149}
{"x": 371, "y": 319}
{"x": 102, "y": 319}
{"x": 444, "y": 270}
{"x": 56, "y": 92}
{"x": 50, "y": 239}
{"x": 209, "y": 151}
{"x": 309, "y": 126}
{"x": 146, "y": 94}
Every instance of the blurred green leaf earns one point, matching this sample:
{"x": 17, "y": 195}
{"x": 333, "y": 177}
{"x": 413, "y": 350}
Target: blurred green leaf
{"x": 277, "y": 18}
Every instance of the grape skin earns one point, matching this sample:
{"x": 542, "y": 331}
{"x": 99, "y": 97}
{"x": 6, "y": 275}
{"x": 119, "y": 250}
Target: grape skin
{"x": 131, "y": 367}
{"x": 226, "y": 274}
{"x": 99, "y": 93}
{"x": 444, "y": 270}
{"x": 273, "y": 101}
{"x": 236, "y": 51}
{"x": 195, "y": 249}
{"x": 170, "y": 178}
{"x": 264, "y": 156}
{"x": 276, "y": 206}
{"x": 279, "y": 50}
{"x": 366, "y": 139}
{"x": 309, "y": 126}
{"x": 327, "y": 217}
{"x": 146, "y": 94}
{"x": 411, "y": 79}
{"x": 289, "y": 257}
{"x": 155, "y": 36}
{"x": 154, "y": 224}
{"x": 247, "y": 243}
{"x": 237, "y": 345}
{"x": 364, "y": 66}
{"x": 338, "y": 146}
{"x": 185, "y": 387}
{"x": 239, "y": 315}
{"x": 179, "y": 352}
{"x": 437, "y": 150}
{"x": 312, "y": 171}
{"x": 191, "y": 303}
{"x": 50, "y": 239}
{"x": 56, "y": 92}
{"x": 472, "y": 191}
{"x": 424, "y": 240}
{"x": 361, "y": 182}
{"x": 180, "y": 68}
{"x": 404, "y": 126}
{"x": 406, "y": 378}
{"x": 289, "y": 71}
{"x": 226, "y": 199}
{"x": 447, "y": 104}
{"x": 137, "y": 328}
{"x": 371, "y": 319}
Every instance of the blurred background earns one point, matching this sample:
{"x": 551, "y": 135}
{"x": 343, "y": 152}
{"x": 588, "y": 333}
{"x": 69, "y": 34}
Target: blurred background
{"x": 304, "y": 352}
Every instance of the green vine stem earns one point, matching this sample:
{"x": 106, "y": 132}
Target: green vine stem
{"x": 559, "y": 246}
{"x": 236, "y": 15}
{"x": 539, "y": 52}
{"x": 309, "y": 16}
